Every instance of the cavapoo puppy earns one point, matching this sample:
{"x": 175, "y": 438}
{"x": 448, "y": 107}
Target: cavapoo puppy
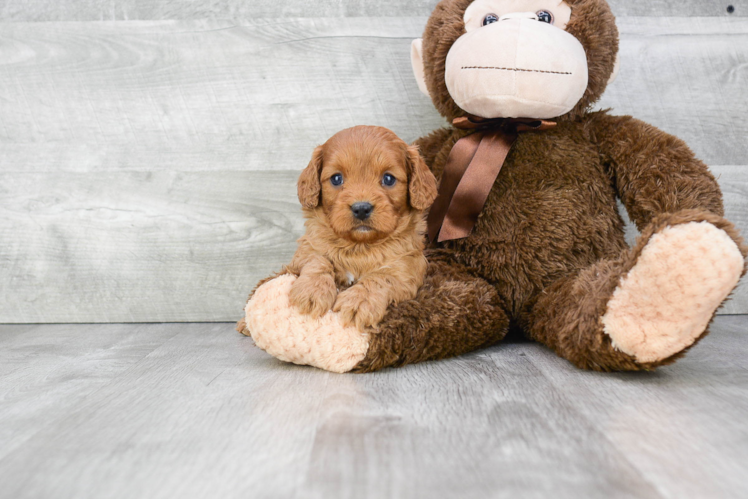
{"x": 364, "y": 194}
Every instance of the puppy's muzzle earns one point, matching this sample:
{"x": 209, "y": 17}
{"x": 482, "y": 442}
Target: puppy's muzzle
{"x": 362, "y": 210}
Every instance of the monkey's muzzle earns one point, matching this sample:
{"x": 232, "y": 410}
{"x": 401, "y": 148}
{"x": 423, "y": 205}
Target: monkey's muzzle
{"x": 517, "y": 68}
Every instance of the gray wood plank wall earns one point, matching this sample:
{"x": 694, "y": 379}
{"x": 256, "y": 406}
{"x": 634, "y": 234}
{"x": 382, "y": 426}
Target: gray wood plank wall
{"x": 121, "y": 10}
{"x": 147, "y": 168}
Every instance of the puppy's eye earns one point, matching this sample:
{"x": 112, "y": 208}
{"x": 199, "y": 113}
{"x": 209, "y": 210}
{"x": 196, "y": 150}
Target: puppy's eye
{"x": 545, "y": 17}
{"x": 389, "y": 180}
{"x": 336, "y": 180}
{"x": 490, "y": 19}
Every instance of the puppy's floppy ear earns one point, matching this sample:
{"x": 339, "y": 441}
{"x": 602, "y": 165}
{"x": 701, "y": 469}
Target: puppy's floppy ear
{"x": 422, "y": 183}
{"x": 309, "y": 187}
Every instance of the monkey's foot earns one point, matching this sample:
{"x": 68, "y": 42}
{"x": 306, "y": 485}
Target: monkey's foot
{"x": 283, "y": 332}
{"x": 666, "y": 301}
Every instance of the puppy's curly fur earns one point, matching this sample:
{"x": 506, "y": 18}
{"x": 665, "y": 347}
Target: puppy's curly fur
{"x": 359, "y": 267}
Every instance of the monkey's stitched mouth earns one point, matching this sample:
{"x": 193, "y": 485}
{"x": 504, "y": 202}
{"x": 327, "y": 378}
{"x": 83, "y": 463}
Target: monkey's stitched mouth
{"x": 518, "y": 69}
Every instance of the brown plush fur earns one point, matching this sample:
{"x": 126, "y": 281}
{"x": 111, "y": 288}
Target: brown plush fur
{"x": 573, "y": 307}
{"x": 454, "y": 312}
{"x": 383, "y": 254}
{"x": 548, "y": 250}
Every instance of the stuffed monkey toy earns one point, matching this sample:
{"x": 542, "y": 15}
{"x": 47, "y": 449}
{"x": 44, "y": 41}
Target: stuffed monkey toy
{"x": 525, "y": 232}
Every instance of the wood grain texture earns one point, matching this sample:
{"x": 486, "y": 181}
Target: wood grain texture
{"x": 178, "y": 408}
{"x": 195, "y": 410}
{"x": 123, "y": 10}
{"x": 686, "y": 76}
{"x": 200, "y": 95}
{"x": 678, "y": 8}
{"x": 169, "y": 246}
{"x": 47, "y": 371}
{"x": 212, "y": 95}
{"x": 141, "y": 246}
{"x": 476, "y": 427}
{"x": 681, "y": 426}
{"x": 147, "y": 169}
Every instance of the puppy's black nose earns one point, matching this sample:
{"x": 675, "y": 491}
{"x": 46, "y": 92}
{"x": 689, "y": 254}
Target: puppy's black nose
{"x": 362, "y": 210}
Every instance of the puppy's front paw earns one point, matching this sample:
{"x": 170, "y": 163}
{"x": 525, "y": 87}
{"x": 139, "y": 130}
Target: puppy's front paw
{"x": 359, "y": 307}
{"x": 313, "y": 295}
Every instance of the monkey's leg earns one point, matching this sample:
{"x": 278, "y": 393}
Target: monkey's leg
{"x": 648, "y": 307}
{"x": 453, "y": 313}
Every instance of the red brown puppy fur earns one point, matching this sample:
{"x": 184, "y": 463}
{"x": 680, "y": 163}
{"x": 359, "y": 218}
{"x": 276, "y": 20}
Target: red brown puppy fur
{"x": 377, "y": 260}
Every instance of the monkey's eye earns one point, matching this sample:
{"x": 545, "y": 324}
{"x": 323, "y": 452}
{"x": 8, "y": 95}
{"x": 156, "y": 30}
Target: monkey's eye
{"x": 389, "y": 180}
{"x": 490, "y": 19}
{"x": 545, "y": 17}
{"x": 336, "y": 180}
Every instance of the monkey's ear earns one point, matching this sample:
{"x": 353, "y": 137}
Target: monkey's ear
{"x": 422, "y": 183}
{"x": 416, "y": 60}
{"x": 309, "y": 187}
{"x": 616, "y": 67}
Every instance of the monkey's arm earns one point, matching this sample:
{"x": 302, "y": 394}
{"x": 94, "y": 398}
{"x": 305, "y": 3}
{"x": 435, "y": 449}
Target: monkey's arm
{"x": 653, "y": 172}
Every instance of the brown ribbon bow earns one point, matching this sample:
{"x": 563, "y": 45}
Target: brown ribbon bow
{"x": 471, "y": 170}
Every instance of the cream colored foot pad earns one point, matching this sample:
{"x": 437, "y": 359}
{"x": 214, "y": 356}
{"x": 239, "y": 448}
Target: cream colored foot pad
{"x": 667, "y": 300}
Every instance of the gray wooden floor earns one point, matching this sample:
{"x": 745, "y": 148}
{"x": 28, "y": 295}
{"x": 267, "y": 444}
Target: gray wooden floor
{"x": 197, "y": 410}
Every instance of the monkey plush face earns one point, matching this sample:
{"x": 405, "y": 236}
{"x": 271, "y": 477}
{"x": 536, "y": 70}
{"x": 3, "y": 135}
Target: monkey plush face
{"x": 516, "y": 58}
